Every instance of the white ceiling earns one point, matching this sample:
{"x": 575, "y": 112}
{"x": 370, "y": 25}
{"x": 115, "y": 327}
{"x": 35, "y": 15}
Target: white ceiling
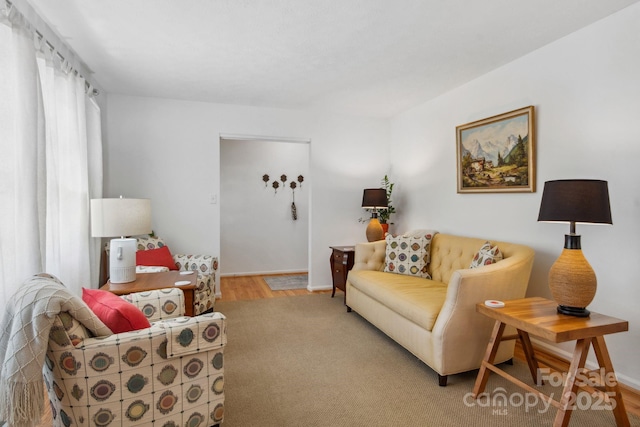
{"x": 365, "y": 57}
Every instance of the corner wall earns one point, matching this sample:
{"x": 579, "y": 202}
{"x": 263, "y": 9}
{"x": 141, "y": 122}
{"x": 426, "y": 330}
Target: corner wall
{"x": 586, "y": 93}
{"x": 169, "y": 151}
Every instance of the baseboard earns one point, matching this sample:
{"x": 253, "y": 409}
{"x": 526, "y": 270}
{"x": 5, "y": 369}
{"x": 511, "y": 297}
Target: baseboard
{"x": 319, "y": 288}
{"x": 264, "y": 273}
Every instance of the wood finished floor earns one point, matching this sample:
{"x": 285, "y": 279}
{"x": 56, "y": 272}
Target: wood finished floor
{"x": 234, "y": 288}
{"x": 254, "y": 287}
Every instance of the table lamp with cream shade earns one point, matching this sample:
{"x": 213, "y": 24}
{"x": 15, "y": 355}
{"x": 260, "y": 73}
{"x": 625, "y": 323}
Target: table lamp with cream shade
{"x": 374, "y": 199}
{"x": 121, "y": 217}
{"x": 572, "y": 280}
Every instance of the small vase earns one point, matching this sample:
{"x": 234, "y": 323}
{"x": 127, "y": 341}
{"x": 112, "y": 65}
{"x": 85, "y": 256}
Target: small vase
{"x": 385, "y": 229}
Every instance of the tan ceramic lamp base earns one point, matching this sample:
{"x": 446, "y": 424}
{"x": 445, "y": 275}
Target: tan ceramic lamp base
{"x": 374, "y": 230}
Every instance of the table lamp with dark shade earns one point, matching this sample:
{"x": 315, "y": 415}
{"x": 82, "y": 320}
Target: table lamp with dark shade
{"x": 571, "y": 279}
{"x": 374, "y": 199}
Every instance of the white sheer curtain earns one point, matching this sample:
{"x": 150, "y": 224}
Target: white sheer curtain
{"x": 94, "y": 163}
{"x": 21, "y": 159}
{"x": 50, "y": 167}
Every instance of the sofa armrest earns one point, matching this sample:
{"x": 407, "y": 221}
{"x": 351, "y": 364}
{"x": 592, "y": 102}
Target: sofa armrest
{"x": 370, "y": 256}
{"x": 504, "y": 280}
{"x": 203, "y": 264}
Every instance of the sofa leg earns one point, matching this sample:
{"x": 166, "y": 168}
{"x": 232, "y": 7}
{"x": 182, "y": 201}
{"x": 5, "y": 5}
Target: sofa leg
{"x": 348, "y": 309}
{"x": 442, "y": 380}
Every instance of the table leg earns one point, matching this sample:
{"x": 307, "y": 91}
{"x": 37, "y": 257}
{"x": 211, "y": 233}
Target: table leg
{"x": 611, "y": 382}
{"x": 530, "y": 355}
{"x": 189, "y": 295}
{"x": 489, "y": 357}
{"x": 568, "y": 398}
{"x": 333, "y": 280}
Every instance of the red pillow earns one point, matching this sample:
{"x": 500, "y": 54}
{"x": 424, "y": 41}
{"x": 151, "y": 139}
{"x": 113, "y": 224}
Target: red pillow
{"x": 117, "y": 314}
{"x": 156, "y": 257}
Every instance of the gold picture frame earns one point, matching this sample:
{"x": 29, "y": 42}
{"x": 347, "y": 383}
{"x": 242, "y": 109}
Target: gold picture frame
{"x": 497, "y": 154}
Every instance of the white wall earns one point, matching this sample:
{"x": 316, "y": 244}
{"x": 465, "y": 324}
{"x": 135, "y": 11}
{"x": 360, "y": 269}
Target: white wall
{"x": 586, "y": 91}
{"x": 251, "y": 210}
{"x": 169, "y": 151}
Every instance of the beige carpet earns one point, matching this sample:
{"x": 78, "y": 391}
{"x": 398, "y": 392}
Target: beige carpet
{"x": 304, "y": 361}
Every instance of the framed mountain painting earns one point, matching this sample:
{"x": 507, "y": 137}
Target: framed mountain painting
{"x": 497, "y": 154}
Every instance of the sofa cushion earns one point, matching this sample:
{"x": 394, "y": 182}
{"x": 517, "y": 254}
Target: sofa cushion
{"x": 486, "y": 255}
{"x": 415, "y": 298}
{"x": 407, "y": 254}
{"x": 142, "y": 269}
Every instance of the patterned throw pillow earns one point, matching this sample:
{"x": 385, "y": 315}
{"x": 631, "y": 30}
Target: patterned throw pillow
{"x": 486, "y": 255}
{"x": 408, "y": 255}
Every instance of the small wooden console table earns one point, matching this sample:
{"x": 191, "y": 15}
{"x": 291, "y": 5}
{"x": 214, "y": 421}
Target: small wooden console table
{"x": 341, "y": 262}
{"x": 153, "y": 281}
{"x": 538, "y": 317}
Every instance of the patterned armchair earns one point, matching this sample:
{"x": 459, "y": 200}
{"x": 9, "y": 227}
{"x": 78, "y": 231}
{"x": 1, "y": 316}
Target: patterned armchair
{"x": 205, "y": 265}
{"x": 168, "y": 375}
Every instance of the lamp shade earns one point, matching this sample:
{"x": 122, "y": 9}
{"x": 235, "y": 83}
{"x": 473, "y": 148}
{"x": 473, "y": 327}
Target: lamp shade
{"x": 120, "y": 217}
{"x": 374, "y": 198}
{"x": 575, "y": 200}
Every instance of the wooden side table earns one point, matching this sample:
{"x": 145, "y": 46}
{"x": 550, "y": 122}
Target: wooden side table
{"x": 538, "y": 317}
{"x": 153, "y": 281}
{"x": 341, "y": 262}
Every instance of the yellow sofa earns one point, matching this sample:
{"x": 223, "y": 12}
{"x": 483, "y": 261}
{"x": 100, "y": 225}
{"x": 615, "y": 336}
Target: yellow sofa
{"x": 436, "y": 319}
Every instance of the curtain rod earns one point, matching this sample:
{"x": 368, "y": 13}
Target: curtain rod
{"x": 90, "y": 89}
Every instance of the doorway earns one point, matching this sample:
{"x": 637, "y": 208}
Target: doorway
{"x": 264, "y": 206}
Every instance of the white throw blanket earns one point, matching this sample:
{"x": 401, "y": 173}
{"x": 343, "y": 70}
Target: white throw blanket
{"x": 24, "y": 336}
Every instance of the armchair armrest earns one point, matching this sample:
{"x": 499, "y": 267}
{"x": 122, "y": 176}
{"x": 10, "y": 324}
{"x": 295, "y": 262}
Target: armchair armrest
{"x": 167, "y": 337}
{"x": 206, "y": 266}
{"x": 203, "y": 264}
{"x": 158, "y": 304}
{"x": 370, "y": 256}
{"x": 188, "y": 335}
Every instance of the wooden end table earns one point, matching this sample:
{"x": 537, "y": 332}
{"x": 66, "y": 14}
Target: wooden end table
{"x": 154, "y": 281}
{"x": 538, "y": 317}
{"x": 341, "y": 262}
